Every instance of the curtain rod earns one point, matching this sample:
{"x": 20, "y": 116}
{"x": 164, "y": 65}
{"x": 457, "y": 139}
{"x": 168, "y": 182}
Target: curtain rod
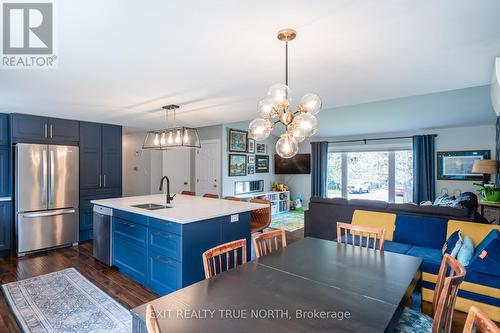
{"x": 374, "y": 139}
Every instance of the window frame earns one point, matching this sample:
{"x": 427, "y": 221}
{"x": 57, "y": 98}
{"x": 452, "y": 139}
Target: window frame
{"x": 391, "y": 150}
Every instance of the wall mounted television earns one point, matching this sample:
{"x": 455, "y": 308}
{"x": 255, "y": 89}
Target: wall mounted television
{"x": 299, "y": 164}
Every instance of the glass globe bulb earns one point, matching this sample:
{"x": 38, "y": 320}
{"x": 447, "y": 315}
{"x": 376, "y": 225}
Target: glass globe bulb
{"x": 259, "y": 129}
{"x": 162, "y": 140}
{"x": 280, "y": 94}
{"x": 185, "y": 139}
{"x": 266, "y": 109}
{"x": 170, "y": 139}
{"x": 307, "y": 124}
{"x": 295, "y": 132}
{"x": 311, "y": 103}
{"x": 287, "y": 146}
{"x": 156, "y": 140}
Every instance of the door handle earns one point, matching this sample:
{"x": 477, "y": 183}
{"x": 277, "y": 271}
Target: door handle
{"x": 158, "y": 258}
{"x": 45, "y": 129}
{"x": 104, "y": 180}
{"x": 100, "y": 180}
{"x": 51, "y": 213}
{"x": 52, "y": 175}
{"x": 51, "y": 132}
{"x": 44, "y": 177}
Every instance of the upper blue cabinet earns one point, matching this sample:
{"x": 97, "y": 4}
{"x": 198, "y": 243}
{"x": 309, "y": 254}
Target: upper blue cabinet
{"x": 4, "y": 129}
{"x": 100, "y": 158}
{"x": 36, "y": 129}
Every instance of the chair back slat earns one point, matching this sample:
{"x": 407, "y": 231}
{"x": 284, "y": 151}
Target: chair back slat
{"x": 260, "y": 218}
{"x": 152, "y": 325}
{"x": 211, "y": 196}
{"x": 263, "y": 243}
{"x": 451, "y": 275}
{"x": 233, "y": 198}
{"x": 213, "y": 259}
{"x": 477, "y": 320}
{"x": 360, "y": 233}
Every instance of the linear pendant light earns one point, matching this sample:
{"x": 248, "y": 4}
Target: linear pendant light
{"x": 172, "y": 137}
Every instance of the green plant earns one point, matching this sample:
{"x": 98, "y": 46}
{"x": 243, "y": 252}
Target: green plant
{"x": 489, "y": 191}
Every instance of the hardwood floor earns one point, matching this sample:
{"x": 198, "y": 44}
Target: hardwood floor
{"x": 126, "y": 291}
{"x": 123, "y": 289}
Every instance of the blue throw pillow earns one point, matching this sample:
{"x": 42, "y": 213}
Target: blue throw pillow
{"x": 466, "y": 251}
{"x": 487, "y": 256}
{"x": 453, "y": 244}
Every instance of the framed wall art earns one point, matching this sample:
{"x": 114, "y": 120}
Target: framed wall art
{"x": 457, "y": 165}
{"x": 261, "y": 164}
{"x": 237, "y": 165}
{"x": 237, "y": 141}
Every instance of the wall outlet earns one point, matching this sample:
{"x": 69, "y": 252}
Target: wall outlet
{"x": 235, "y": 218}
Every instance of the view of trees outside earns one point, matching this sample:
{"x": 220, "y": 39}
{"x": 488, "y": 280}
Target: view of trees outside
{"x": 404, "y": 175}
{"x": 368, "y": 175}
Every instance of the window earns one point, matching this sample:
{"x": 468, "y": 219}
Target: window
{"x": 373, "y": 175}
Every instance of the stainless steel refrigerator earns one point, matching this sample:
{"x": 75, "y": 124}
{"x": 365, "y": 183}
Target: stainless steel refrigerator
{"x": 46, "y": 196}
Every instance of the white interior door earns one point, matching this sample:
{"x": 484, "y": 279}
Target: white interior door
{"x": 177, "y": 167}
{"x": 208, "y": 166}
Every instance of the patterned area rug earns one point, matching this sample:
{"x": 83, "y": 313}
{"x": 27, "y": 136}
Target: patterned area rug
{"x": 65, "y": 301}
{"x": 290, "y": 221}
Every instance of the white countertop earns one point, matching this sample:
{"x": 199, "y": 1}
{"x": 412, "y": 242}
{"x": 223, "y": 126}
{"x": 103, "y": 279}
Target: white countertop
{"x": 185, "y": 208}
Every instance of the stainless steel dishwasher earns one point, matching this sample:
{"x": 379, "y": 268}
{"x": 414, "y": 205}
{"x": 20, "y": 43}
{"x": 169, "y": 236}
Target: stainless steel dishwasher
{"x": 102, "y": 234}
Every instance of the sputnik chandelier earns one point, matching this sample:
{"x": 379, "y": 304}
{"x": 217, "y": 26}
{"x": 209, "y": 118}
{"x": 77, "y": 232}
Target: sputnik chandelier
{"x": 275, "y": 109}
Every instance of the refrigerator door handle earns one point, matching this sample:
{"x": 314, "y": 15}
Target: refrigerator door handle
{"x": 51, "y": 186}
{"x": 44, "y": 177}
{"x": 50, "y": 213}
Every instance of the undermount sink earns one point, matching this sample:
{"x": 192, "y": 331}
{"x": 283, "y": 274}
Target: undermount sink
{"x": 151, "y": 206}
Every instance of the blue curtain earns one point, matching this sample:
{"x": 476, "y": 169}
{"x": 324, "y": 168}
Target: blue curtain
{"x": 424, "y": 161}
{"x": 497, "y": 149}
{"x": 319, "y": 171}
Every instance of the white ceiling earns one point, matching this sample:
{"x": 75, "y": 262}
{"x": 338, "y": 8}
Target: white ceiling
{"x": 120, "y": 61}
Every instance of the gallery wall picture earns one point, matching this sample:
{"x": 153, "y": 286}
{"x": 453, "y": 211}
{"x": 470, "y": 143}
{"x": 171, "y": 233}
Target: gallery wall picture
{"x": 261, "y": 148}
{"x": 251, "y": 159}
{"x": 251, "y": 146}
{"x": 261, "y": 164}
{"x": 457, "y": 165}
{"x": 251, "y": 169}
{"x": 237, "y": 165}
{"x": 237, "y": 141}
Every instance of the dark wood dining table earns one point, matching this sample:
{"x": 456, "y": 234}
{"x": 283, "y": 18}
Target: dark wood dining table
{"x": 312, "y": 285}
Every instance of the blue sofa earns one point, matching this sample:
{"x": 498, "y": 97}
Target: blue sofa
{"x": 424, "y": 237}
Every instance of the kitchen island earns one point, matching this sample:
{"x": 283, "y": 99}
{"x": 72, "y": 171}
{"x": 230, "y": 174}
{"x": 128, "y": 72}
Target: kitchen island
{"x": 162, "y": 248}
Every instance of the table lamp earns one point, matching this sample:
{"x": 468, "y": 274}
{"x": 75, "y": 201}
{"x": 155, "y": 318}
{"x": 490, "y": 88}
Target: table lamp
{"x": 486, "y": 167}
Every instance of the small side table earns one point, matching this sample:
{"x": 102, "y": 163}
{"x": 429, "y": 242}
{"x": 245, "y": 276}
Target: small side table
{"x": 490, "y": 211}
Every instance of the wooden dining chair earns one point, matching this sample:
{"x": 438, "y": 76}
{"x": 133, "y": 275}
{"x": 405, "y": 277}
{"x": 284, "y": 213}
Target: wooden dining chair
{"x": 268, "y": 242}
{"x": 233, "y": 198}
{"x": 363, "y": 234}
{"x": 451, "y": 275}
{"x": 152, "y": 325}
{"x": 210, "y": 195}
{"x": 477, "y": 320}
{"x": 188, "y": 193}
{"x": 260, "y": 218}
{"x": 219, "y": 259}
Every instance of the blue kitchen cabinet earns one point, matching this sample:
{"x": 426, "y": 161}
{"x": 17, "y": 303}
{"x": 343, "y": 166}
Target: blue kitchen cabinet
{"x": 5, "y": 175}
{"x": 100, "y": 169}
{"x": 38, "y": 129}
{"x": 5, "y": 225}
{"x": 90, "y": 155}
{"x": 4, "y": 129}
{"x": 63, "y": 130}
{"x": 111, "y": 156}
{"x": 130, "y": 258}
{"x": 172, "y": 252}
